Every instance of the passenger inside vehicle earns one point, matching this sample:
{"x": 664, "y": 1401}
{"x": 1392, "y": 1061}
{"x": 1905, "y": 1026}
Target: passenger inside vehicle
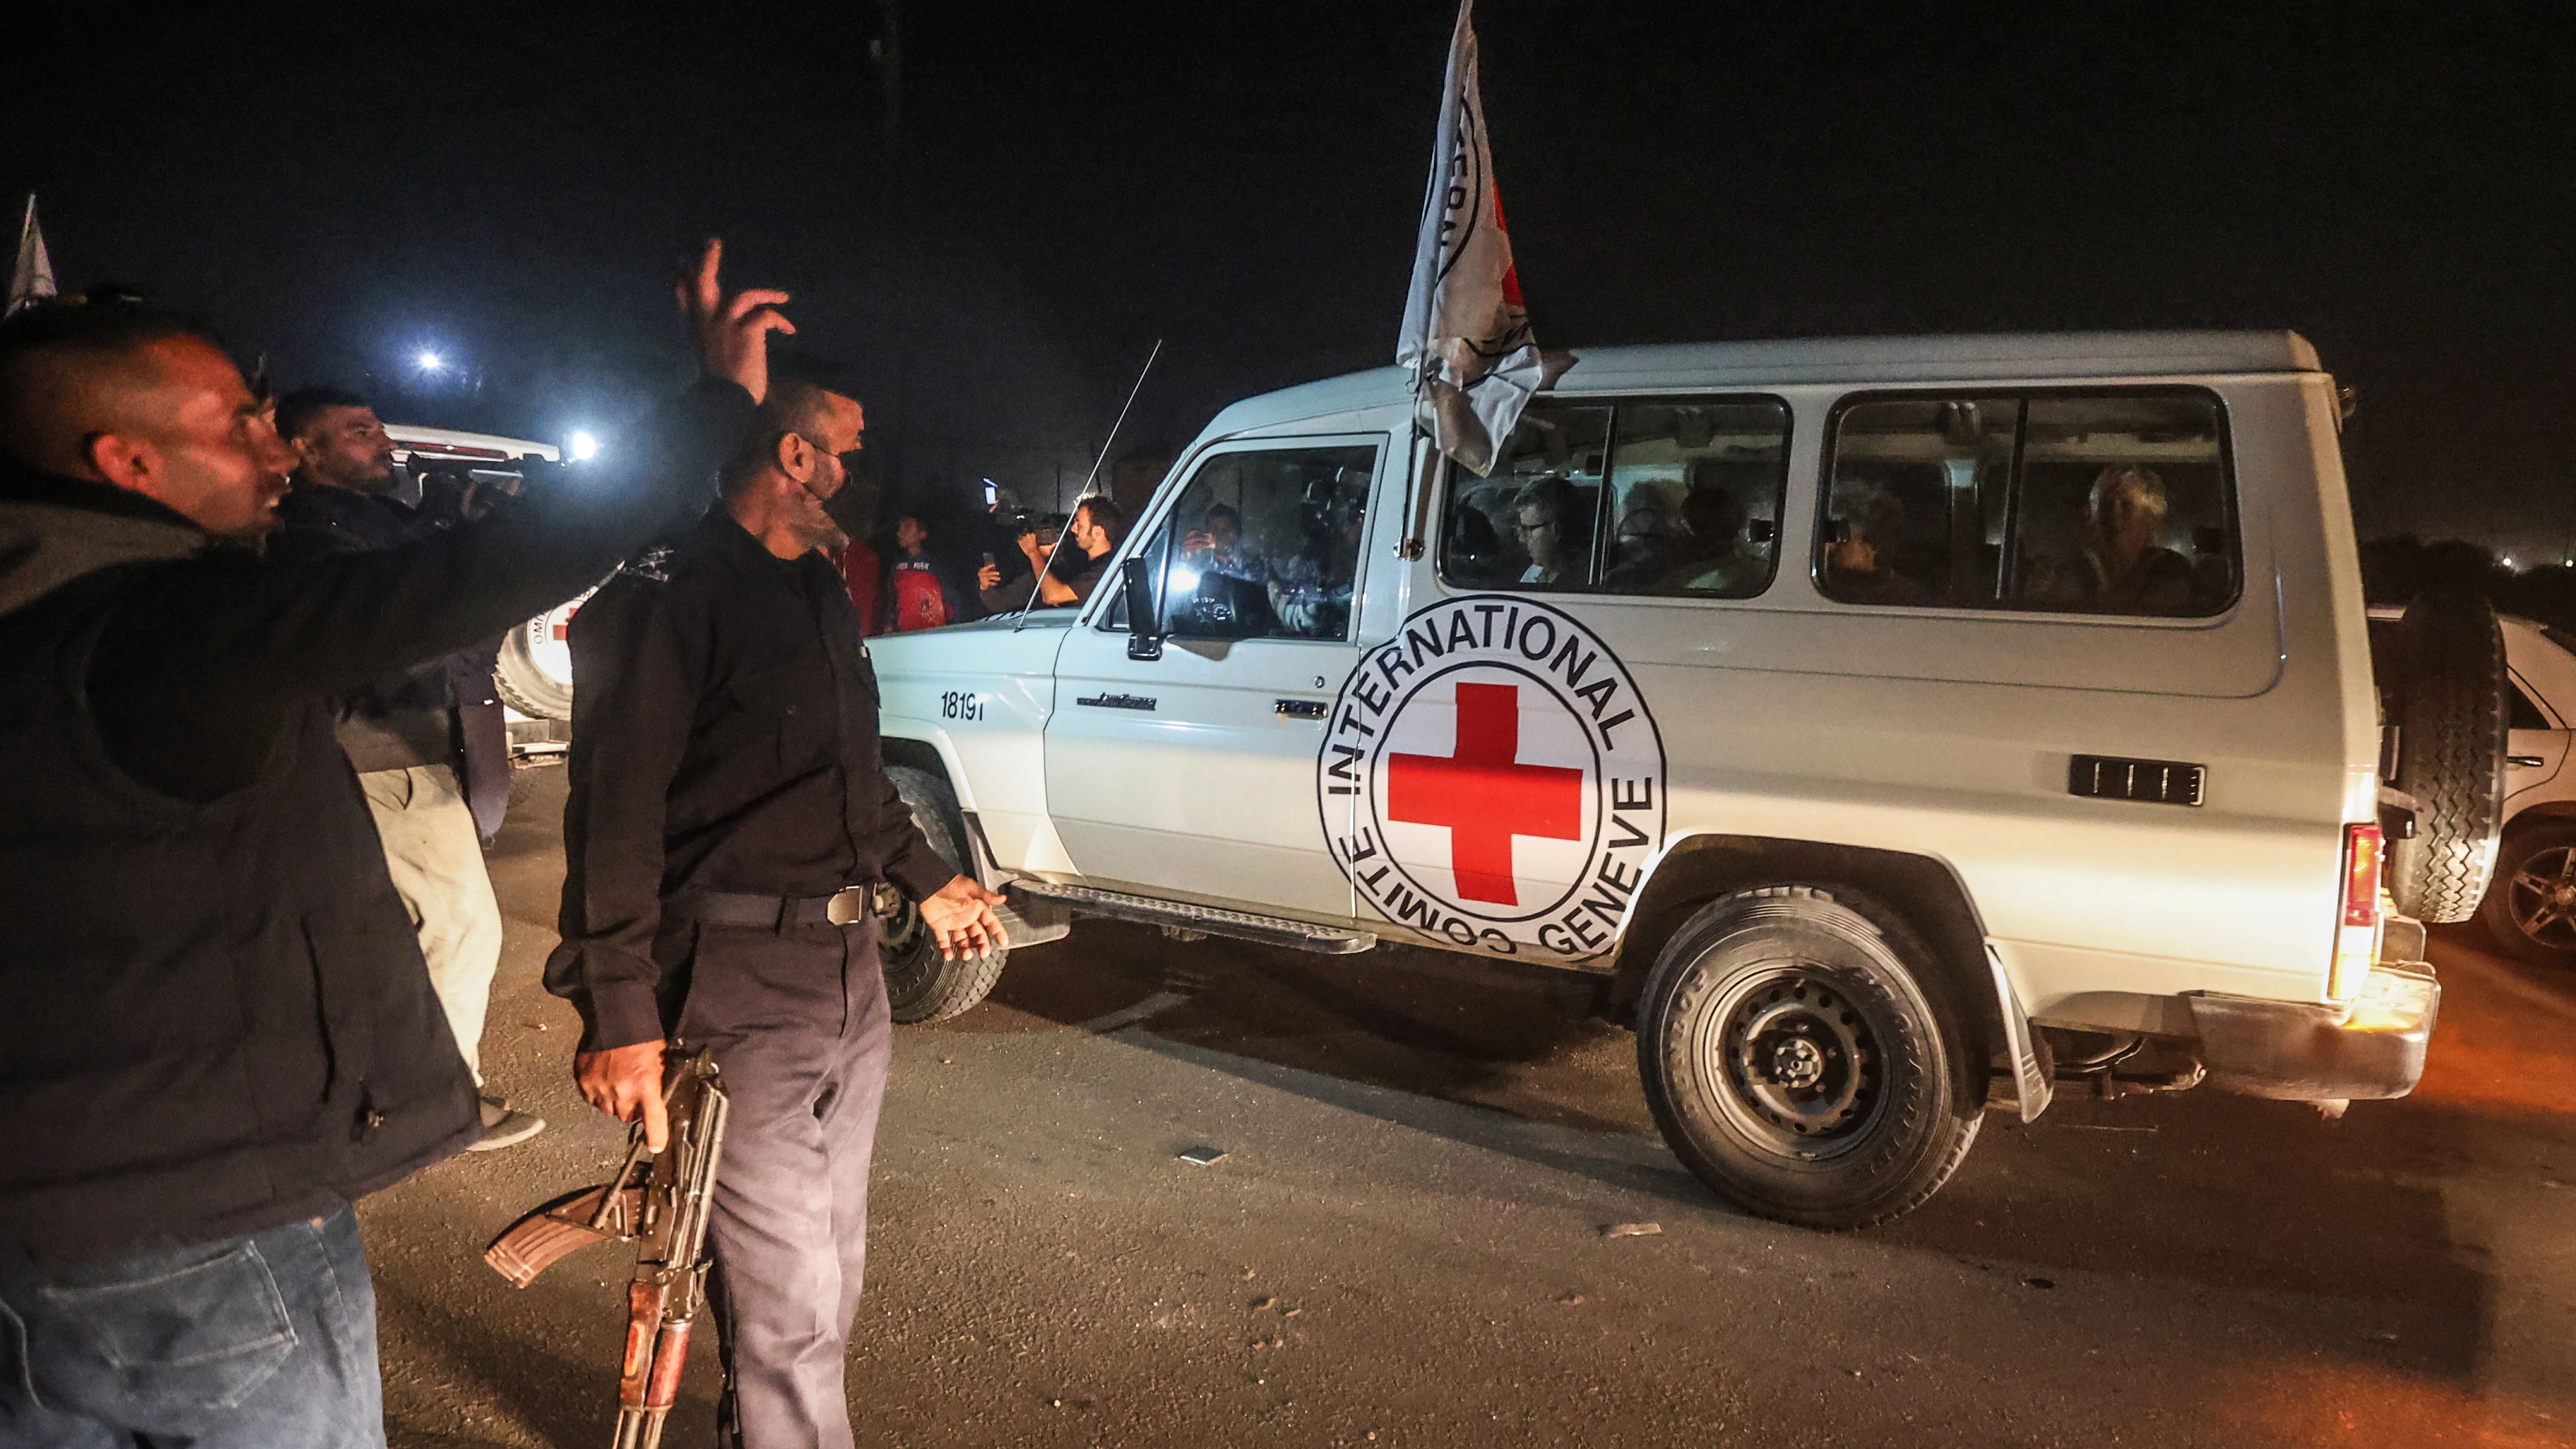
{"x": 1862, "y": 550}
{"x": 1230, "y": 597}
{"x": 2121, "y": 568}
{"x": 1650, "y": 538}
{"x": 1554, "y": 520}
{"x": 1713, "y": 558}
{"x": 1310, "y": 593}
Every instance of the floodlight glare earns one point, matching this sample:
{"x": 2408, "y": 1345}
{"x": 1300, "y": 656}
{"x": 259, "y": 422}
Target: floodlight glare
{"x": 430, "y": 361}
{"x": 584, "y": 447}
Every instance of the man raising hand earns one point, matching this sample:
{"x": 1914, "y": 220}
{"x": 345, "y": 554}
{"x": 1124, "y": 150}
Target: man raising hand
{"x": 730, "y": 819}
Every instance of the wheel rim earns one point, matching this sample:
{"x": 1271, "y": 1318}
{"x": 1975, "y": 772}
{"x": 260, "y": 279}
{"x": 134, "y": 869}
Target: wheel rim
{"x": 2542, "y": 896}
{"x": 1792, "y": 1064}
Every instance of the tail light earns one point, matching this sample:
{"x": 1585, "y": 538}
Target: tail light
{"x": 2357, "y": 932}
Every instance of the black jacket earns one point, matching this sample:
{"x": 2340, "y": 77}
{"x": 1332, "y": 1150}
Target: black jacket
{"x": 214, "y": 1017}
{"x": 407, "y": 716}
{"x": 724, "y": 738}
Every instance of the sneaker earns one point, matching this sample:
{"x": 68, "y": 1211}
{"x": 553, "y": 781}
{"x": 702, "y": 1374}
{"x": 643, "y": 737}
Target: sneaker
{"x": 504, "y": 1126}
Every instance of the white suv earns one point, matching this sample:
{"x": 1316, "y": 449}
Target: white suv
{"x": 1889, "y": 727}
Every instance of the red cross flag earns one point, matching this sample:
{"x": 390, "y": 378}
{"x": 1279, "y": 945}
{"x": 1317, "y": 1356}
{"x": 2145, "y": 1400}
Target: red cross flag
{"x": 1466, "y": 335}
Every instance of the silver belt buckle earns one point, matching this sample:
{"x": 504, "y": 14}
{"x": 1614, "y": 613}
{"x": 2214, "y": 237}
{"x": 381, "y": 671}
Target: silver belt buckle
{"x": 849, "y": 905}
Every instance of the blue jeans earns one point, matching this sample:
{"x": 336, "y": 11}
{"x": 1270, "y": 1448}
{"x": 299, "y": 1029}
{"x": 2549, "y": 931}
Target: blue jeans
{"x": 267, "y": 1341}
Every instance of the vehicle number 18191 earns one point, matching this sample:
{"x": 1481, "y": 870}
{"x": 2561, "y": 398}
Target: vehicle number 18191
{"x": 961, "y": 704}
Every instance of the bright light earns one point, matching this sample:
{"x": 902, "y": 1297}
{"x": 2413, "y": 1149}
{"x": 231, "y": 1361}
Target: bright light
{"x": 584, "y": 447}
{"x": 430, "y": 361}
{"x": 1182, "y": 578}
{"x": 2508, "y": 560}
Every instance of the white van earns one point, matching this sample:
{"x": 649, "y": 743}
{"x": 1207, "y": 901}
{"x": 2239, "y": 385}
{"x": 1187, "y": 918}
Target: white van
{"x": 1893, "y": 727}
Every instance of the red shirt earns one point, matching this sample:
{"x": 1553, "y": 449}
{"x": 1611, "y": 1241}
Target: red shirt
{"x": 862, "y": 575}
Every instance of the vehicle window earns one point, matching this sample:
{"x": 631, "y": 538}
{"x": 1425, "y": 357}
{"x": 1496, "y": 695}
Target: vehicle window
{"x": 1530, "y": 524}
{"x": 1644, "y": 497}
{"x": 2106, "y": 503}
{"x": 1695, "y": 492}
{"x": 1264, "y": 545}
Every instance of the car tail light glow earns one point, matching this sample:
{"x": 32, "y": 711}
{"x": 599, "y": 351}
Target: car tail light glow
{"x": 2357, "y": 933}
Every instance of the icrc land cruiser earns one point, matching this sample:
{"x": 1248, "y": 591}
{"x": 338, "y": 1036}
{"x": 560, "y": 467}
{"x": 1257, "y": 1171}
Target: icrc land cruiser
{"x": 1894, "y": 728}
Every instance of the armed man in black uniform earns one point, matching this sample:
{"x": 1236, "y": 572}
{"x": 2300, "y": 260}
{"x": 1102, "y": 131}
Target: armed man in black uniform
{"x": 729, "y": 820}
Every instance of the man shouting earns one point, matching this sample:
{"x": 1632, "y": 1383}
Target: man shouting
{"x": 730, "y": 818}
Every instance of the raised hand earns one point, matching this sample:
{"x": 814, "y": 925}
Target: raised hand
{"x": 732, "y": 332}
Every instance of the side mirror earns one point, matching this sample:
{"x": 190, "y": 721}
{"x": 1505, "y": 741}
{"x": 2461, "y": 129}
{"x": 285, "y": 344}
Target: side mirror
{"x": 1144, "y": 629}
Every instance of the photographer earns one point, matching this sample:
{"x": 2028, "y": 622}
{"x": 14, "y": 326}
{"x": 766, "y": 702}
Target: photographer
{"x": 406, "y": 734}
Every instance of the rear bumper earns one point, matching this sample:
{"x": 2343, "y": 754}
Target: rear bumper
{"x": 2302, "y": 1052}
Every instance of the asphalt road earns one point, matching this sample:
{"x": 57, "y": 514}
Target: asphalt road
{"x": 1404, "y": 1243}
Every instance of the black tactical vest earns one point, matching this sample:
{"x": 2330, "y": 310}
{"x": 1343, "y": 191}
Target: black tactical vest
{"x": 214, "y": 1018}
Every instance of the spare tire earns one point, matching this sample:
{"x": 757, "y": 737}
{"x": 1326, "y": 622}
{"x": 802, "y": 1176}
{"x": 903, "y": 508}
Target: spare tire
{"x": 534, "y": 673}
{"x": 2451, "y": 706}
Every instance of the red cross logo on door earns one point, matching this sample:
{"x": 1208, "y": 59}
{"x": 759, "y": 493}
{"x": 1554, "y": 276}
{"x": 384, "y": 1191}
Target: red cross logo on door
{"x": 1483, "y": 795}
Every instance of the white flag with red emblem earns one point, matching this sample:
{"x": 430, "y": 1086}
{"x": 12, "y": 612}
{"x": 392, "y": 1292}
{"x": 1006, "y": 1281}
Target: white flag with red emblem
{"x": 1466, "y": 334}
{"x": 33, "y": 277}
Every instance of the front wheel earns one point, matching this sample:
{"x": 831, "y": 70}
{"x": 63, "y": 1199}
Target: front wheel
{"x": 921, "y": 987}
{"x": 1795, "y": 1064}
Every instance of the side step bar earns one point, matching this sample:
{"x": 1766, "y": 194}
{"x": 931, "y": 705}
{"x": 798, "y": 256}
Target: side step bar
{"x": 1214, "y": 920}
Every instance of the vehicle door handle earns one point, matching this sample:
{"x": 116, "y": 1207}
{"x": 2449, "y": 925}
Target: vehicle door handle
{"x": 1302, "y": 709}
{"x": 2528, "y": 762}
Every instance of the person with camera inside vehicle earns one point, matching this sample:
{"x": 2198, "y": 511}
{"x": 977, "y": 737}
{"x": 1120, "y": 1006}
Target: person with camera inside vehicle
{"x": 408, "y": 734}
{"x": 220, "y": 1031}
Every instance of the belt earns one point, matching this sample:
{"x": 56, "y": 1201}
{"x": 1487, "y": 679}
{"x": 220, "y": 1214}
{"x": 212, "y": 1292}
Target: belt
{"x": 845, "y": 907}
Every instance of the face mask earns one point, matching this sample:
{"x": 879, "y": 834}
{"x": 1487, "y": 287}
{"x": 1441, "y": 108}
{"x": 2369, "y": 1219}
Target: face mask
{"x": 853, "y": 510}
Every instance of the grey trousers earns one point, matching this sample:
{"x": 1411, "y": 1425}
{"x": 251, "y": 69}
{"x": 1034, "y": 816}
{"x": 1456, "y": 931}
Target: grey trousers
{"x": 436, "y": 859}
{"x": 798, "y": 1023}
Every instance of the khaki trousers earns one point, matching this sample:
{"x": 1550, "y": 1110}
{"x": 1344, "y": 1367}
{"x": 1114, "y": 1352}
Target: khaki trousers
{"x": 436, "y": 860}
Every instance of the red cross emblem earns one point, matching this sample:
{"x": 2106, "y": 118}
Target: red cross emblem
{"x": 1483, "y": 795}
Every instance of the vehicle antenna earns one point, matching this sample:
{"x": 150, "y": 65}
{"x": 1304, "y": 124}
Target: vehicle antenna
{"x": 1037, "y": 586}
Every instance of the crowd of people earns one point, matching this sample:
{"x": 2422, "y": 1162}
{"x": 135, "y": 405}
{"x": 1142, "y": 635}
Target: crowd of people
{"x": 937, "y": 564}
{"x": 246, "y": 733}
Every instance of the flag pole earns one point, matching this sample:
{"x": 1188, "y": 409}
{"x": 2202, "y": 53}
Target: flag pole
{"x": 1423, "y": 472}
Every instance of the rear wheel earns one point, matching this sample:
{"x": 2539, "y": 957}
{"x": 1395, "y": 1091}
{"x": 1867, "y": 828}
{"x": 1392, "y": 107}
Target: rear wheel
{"x": 1795, "y": 1063}
{"x": 920, "y": 986}
{"x": 2530, "y": 909}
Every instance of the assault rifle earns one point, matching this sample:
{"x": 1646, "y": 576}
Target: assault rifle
{"x": 662, "y": 1209}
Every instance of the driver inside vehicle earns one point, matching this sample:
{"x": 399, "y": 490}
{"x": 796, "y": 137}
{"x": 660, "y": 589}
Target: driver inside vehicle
{"x": 1219, "y": 583}
{"x": 1311, "y": 592}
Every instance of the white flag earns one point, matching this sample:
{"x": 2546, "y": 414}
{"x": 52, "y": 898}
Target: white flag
{"x": 1465, "y": 332}
{"x": 34, "y": 276}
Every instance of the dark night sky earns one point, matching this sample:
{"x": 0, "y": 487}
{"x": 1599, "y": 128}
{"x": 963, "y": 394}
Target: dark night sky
{"x": 514, "y": 187}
